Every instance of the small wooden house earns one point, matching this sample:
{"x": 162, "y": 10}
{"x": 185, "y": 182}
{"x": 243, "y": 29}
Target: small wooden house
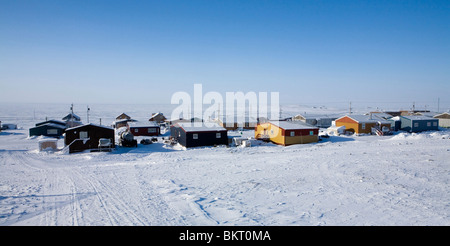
{"x": 444, "y": 119}
{"x": 88, "y": 137}
{"x": 72, "y": 120}
{"x": 190, "y": 135}
{"x": 287, "y": 132}
{"x": 49, "y": 128}
{"x": 123, "y": 116}
{"x": 158, "y": 117}
{"x": 418, "y": 123}
{"x": 144, "y": 128}
{"x": 363, "y": 124}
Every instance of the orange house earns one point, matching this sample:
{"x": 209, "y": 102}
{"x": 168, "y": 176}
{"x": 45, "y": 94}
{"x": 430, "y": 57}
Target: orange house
{"x": 287, "y": 132}
{"x": 362, "y": 123}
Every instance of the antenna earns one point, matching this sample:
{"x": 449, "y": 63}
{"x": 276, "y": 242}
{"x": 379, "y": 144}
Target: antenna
{"x": 350, "y": 108}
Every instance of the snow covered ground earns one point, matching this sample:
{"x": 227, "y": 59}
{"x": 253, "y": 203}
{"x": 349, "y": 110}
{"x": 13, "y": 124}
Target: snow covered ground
{"x": 344, "y": 180}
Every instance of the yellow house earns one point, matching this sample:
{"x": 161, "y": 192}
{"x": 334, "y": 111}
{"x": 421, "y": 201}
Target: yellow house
{"x": 287, "y": 132}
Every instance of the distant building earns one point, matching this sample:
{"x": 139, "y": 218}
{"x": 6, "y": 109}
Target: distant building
{"x": 123, "y": 116}
{"x": 418, "y": 123}
{"x": 247, "y": 122}
{"x": 144, "y": 128}
{"x": 189, "y": 135}
{"x": 122, "y": 121}
{"x": 323, "y": 121}
{"x": 88, "y": 137}
{"x": 158, "y": 117}
{"x": 363, "y": 124}
{"x": 287, "y": 132}
{"x": 49, "y": 128}
{"x": 444, "y": 119}
{"x": 9, "y": 126}
{"x": 72, "y": 120}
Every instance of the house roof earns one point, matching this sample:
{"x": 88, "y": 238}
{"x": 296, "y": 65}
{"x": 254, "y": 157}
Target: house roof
{"x": 208, "y": 127}
{"x": 366, "y": 118}
{"x": 52, "y": 121}
{"x": 316, "y": 116}
{"x": 50, "y": 125}
{"x": 444, "y": 115}
{"x": 90, "y": 124}
{"x": 418, "y": 117}
{"x": 143, "y": 124}
{"x": 292, "y": 125}
{"x": 71, "y": 116}
{"x": 123, "y": 115}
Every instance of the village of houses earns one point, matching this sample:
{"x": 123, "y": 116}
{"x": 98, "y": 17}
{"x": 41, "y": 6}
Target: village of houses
{"x": 320, "y": 167}
{"x": 299, "y": 129}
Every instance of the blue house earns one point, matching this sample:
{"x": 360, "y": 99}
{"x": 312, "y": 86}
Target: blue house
{"x": 416, "y": 123}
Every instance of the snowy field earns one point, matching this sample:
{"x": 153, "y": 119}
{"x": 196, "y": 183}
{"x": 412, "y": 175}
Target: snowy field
{"x": 401, "y": 179}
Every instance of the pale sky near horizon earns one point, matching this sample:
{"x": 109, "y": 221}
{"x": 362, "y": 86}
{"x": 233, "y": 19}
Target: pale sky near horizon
{"x": 144, "y": 51}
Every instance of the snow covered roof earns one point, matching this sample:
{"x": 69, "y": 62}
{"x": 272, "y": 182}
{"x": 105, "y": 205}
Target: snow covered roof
{"x": 418, "y": 117}
{"x": 90, "y": 124}
{"x": 71, "y": 116}
{"x": 292, "y": 125}
{"x": 191, "y": 127}
{"x": 367, "y": 119}
{"x": 143, "y": 124}
{"x": 51, "y": 121}
{"x": 51, "y": 125}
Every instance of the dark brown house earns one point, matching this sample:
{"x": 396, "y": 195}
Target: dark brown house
{"x": 87, "y": 137}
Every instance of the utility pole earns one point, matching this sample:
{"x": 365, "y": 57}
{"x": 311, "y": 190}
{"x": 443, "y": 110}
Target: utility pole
{"x": 88, "y": 109}
{"x": 350, "y": 108}
{"x": 438, "y": 104}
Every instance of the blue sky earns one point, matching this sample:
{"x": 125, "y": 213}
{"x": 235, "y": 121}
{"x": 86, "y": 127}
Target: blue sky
{"x": 144, "y": 51}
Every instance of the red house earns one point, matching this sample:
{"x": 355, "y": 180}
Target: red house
{"x": 150, "y": 128}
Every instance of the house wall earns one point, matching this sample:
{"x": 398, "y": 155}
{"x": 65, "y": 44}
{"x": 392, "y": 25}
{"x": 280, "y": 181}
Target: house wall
{"x": 273, "y": 132}
{"x": 352, "y": 127}
{"x": 419, "y": 125}
{"x": 178, "y": 134}
{"x": 350, "y": 124}
{"x": 43, "y": 131}
{"x": 444, "y": 122}
{"x": 301, "y": 139}
{"x": 235, "y": 125}
{"x": 144, "y": 131}
{"x": 206, "y": 138}
{"x": 94, "y": 135}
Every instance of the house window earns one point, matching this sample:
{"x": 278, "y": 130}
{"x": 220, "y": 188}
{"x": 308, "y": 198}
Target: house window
{"x": 52, "y": 131}
{"x": 195, "y": 136}
{"x": 292, "y": 133}
{"x": 151, "y": 130}
{"x": 363, "y": 126}
{"x": 84, "y": 135}
{"x": 218, "y": 135}
{"x": 311, "y": 133}
{"x": 434, "y": 123}
{"x": 416, "y": 124}
{"x": 428, "y": 123}
{"x": 136, "y": 130}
